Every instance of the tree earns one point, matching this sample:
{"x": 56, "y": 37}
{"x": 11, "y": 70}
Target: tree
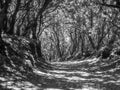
{"x": 23, "y": 21}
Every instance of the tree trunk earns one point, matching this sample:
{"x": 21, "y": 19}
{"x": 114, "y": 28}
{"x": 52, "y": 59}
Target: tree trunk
{"x": 12, "y": 23}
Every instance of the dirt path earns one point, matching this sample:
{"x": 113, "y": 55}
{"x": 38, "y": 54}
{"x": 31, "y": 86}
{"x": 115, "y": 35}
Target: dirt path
{"x": 71, "y": 76}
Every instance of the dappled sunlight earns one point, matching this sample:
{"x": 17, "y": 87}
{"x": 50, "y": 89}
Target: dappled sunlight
{"x": 72, "y": 73}
{"x": 2, "y": 78}
{"x": 77, "y": 62}
{"x": 62, "y": 80}
{"x": 99, "y": 77}
{"x": 22, "y": 85}
{"x": 59, "y": 45}
{"x": 18, "y": 85}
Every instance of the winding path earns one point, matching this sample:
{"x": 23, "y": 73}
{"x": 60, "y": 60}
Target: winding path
{"x": 70, "y": 76}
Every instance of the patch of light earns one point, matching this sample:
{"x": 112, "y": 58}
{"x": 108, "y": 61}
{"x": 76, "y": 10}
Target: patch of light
{"x": 112, "y": 70}
{"x": 111, "y": 81}
{"x": 67, "y": 39}
{"x": 67, "y": 62}
{"x": 39, "y": 72}
{"x": 75, "y": 78}
{"x": 88, "y": 88}
{"x": 77, "y": 62}
{"x": 42, "y": 73}
{"x": 98, "y": 72}
{"x": 2, "y": 79}
{"x": 107, "y": 76}
{"x": 118, "y": 82}
{"x": 72, "y": 72}
{"x": 52, "y": 89}
{"x": 85, "y": 74}
{"x": 14, "y": 88}
{"x": 28, "y": 83}
{"x": 59, "y": 76}
{"x": 19, "y": 85}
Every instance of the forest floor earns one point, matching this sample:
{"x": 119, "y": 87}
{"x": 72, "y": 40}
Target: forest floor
{"x": 70, "y": 75}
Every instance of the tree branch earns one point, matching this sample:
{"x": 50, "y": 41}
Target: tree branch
{"x": 109, "y": 5}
